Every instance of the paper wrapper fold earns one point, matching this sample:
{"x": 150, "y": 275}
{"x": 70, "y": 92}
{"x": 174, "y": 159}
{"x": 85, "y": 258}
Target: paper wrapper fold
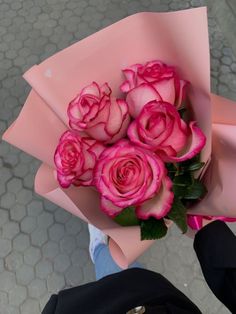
{"x": 177, "y": 38}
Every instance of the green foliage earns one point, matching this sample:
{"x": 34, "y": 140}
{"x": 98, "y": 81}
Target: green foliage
{"x": 178, "y": 215}
{"x": 127, "y": 217}
{"x": 152, "y": 229}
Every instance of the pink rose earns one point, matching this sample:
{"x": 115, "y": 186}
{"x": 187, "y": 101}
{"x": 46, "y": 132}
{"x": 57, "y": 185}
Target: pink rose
{"x": 99, "y": 115}
{"x": 152, "y": 81}
{"x": 75, "y": 158}
{"x": 160, "y": 128}
{"x": 128, "y": 175}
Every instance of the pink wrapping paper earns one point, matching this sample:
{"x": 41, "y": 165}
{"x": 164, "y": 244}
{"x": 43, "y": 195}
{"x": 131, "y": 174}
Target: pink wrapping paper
{"x": 178, "y": 38}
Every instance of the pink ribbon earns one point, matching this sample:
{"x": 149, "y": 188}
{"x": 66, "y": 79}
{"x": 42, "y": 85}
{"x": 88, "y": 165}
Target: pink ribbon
{"x": 195, "y": 222}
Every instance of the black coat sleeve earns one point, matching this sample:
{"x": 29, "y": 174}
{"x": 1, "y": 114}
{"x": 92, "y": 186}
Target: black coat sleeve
{"x": 215, "y": 246}
{"x": 120, "y": 292}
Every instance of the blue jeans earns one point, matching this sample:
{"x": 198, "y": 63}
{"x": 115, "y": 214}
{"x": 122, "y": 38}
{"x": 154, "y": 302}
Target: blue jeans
{"x": 104, "y": 263}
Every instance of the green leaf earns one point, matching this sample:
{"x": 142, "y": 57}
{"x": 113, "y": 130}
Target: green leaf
{"x": 196, "y": 191}
{"x": 182, "y": 112}
{"x": 180, "y": 183}
{"x": 152, "y": 229}
{"x": 195, "y": 166}
{"x": 127, "y": 217}
{"x": 178, "y": 215}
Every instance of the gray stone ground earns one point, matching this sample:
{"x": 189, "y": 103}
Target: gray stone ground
{"x": 43, "y": 248}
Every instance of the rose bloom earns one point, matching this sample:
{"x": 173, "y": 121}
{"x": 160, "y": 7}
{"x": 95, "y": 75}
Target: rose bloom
{"x": 75, "y": 158}
{"x": 160, "y": 128}
{"x": 128, "y": 175}
{"x": 152, "y": 81}
{"x": 99, "y": 115}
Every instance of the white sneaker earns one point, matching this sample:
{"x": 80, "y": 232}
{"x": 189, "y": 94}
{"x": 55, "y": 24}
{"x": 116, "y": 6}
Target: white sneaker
{"x": 96, "y": 237}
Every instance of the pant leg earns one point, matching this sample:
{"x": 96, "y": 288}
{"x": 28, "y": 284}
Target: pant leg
{"x": 104, "y": 263}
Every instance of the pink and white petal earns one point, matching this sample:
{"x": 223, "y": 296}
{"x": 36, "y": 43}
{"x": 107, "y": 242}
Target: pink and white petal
{"x": 138, "y": 97}
{"x": 109, "y": 208}
{"x": 125, "y": 87}
{"x": 64, "y": 181}
{"x": 166, "y": 151}
{"x": 134, "y": 136}
{"x": 92, "y": 89}
{"x": 159, "y": 206}
{"x": 73, "y": 111}
{"x": 98, "y": 132}
{"x": 86, "y": 178}
{"x": 122, "y": 132}
{"x": 97, "y": 148}
{"x": 177, "y": 139}
{"x": 115, "y": 119}
{"x": 166, "y": 90}
{"x": 105, "y": 89}
{"x": 182, "y": 93}
{"x": 102, "y": 115}
{"x": 195, "y": 143}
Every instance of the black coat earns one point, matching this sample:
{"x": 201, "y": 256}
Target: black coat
{"x": 215, "y": 246}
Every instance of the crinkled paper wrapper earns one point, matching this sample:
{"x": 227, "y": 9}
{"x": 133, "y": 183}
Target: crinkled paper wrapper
{"x": 177, "y": 38}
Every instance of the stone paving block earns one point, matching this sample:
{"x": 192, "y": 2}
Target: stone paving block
{"x": 28, "y": 224}
{"x": 3, "y": 217}
{"x": 37, "y": 288}
{"x": 13, "y": 261}
{"x": 21, "y": 242}
{"x": 8, "y": 281}
{"x": 73, "y": 226}
{"x": 24, "y": 274}
{"x": 45, "y": 220}
{"x": 68, "y": 244}
{"x": 56, "y": 232}
{"x": 62, "y": 216}
{"x": 24, "y": 197}
{"x": 5, "y": 247}
{"x": 43, "y": 269}
{"x": 34, "y": 208}
{"x": 39, "y": 237}
{"x": 14, "y": 185}
{"x": 30, "y": 306}
{"x": 8, "y": 200}
{"x": 10, "y": 230}
{"x": 50, "y": 250}
{"x": 17, "y": 212}
{"x": 3, "y": 298}
{"x": 17, "y": 295}
{"x": 61, "y": 263}
{"x": 32, "y": 255}
{"x": 55, "y": 282}
{"x": 74, "y": 276}
{"x": 80, "y": 257}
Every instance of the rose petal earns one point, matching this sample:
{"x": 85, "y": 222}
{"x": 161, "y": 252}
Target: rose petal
{"x": 105, "y": 89}
{"x": 166, "y": 90}
{"x": 182, "y": 93}
{"x": 92, "y": 89}
{"x": 138, "y": 97}
{"x": 109, "y": 208}
{"x": 195, "y": 143}
{"x": 98, "y": 132}
{"x": 159, "y": 205}
{"x": 122, "y": 132}
{"x": 177, "y": 140}
{"x": 114, "y": 121}
{"x": 64, "y": 181}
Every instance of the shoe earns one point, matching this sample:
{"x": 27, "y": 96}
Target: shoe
{"x": 96, "y": 237}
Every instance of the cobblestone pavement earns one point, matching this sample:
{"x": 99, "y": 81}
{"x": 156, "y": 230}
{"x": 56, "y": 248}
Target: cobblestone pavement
{"x": 42, "y": 247}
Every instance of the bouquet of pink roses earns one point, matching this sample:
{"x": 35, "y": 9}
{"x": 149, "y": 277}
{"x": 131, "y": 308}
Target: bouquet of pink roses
{"x": 127, "y": 161}
{"x": 138, "y": 152}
